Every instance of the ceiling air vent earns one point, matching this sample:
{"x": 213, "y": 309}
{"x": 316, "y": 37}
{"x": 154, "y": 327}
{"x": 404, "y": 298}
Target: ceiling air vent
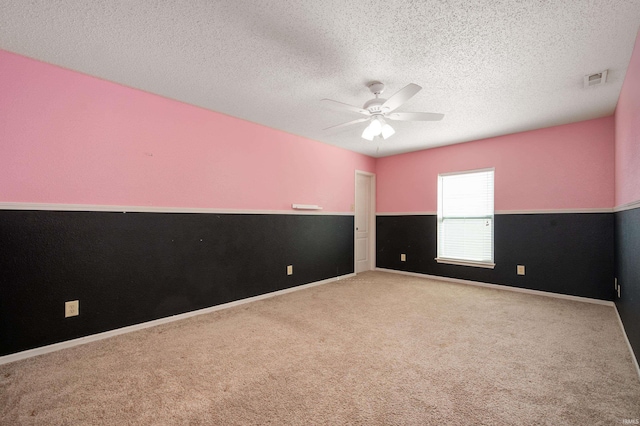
{"x": 597, "y": 79}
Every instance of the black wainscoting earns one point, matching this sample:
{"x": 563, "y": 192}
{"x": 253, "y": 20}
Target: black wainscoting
{"x": 563, "y": 253}
{"x": 628, "y": 273}
{"x": 128, "y": 268}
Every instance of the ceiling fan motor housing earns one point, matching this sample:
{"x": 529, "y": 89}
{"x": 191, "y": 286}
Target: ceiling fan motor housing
{"x": 374, "y": 106}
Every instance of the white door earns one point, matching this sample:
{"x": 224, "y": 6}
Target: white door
{"x": 364, "y": 222}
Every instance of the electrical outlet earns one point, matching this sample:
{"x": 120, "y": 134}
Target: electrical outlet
{"x": 520, "y": 269}
{"x": 403, "y": 257}
{"x": 290, "y": 270}
{"x": 71, "y": 309}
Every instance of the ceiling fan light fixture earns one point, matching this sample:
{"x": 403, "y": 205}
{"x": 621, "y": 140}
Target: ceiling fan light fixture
{"x": 376, "y": 126}
{"x": 387, "y": 131}
{"x": 368, "y": 133}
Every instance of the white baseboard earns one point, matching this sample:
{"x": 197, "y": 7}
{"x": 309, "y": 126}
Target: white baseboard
{"x": 111, "y": 333}
{"x": 626, "y": 338}
{"x": 502, "y": 287}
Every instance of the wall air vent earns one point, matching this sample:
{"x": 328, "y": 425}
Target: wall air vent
{"x": 597, "y": 79}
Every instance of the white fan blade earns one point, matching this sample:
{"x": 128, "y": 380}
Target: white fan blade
{"x": 345, "y": 107}
{"x": 401, "y": 96}
{"x": 348, "y": 123}
{"x": 415, "y": 116}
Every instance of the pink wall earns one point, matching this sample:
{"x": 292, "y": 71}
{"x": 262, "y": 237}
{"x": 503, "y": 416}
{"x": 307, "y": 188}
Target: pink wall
{"x": 562, "y": 167}
{"x": 73, "y": 139}
{"x": 627, "y": 122}
{"x": 69, "y": 138}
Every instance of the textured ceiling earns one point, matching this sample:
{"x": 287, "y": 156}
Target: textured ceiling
{"x": 492, "y": 67}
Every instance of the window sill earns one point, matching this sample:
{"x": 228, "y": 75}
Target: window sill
{"x": 488, "y": 265}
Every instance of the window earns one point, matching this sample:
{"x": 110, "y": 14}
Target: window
{"x": 465, "y": 218}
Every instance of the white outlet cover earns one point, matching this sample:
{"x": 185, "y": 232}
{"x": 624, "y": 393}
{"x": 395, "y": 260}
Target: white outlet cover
{"x": 290, "y": 270}
{"x": 520, "y": 269}
{"x": 403, "y": 257}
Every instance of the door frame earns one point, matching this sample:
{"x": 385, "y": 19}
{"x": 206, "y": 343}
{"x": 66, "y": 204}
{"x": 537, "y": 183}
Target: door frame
{"x": 372, "y": 220}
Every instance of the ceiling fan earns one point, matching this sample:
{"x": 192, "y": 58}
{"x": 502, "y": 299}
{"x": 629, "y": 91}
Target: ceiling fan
{"x": 377, "y": 110}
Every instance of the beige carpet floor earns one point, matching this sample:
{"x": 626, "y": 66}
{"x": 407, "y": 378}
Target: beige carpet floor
{"x": 376, "y": 349}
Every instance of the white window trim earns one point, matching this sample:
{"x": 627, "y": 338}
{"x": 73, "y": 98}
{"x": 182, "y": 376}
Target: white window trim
{"x": 464, "y": 262}
{"x": 464, "y": 172}
{"x": 488, "y": 265}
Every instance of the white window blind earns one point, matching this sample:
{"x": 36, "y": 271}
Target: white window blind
{"x": 465, "y": 217}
